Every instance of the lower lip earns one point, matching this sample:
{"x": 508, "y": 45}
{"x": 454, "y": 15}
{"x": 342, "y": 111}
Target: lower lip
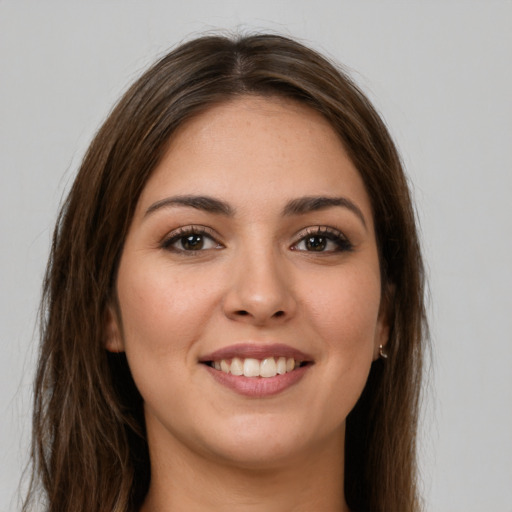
{"x": 258, "y": 387}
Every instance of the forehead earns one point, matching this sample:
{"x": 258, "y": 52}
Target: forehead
{"x": 253, "y": 148}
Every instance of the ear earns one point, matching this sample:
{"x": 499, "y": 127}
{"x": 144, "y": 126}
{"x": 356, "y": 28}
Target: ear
{"x": 113, "y": 338}
{"x": 382, "y": 328}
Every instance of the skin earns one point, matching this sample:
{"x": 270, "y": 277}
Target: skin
{"x": 255, "y": 280}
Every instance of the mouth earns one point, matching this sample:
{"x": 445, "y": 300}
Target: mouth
{"x": 257, "y": 370}
{"x": 251, "y": 367}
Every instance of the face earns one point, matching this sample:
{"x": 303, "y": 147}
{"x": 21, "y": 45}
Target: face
{"x": 249, "y": 287}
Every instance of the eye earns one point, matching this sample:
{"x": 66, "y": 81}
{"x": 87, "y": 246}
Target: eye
{"x": 323, "y": 239}
{"x": 190, "y": 239}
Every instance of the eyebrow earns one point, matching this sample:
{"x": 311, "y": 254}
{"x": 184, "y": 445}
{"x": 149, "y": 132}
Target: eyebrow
{"x": 309, "y": 204}
{"x": 299, "y": 206}
{"x": 205, "y": 203}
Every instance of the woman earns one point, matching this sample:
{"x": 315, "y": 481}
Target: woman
{"x": 233, "y": 309}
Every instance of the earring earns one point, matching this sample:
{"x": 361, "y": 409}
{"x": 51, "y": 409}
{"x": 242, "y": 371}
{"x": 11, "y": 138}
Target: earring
{"x": 382, "y": 354}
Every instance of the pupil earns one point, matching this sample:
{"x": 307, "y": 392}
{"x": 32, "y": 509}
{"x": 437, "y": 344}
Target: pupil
{"x": 316, "y": 243}
{"x": 192, "y": 242}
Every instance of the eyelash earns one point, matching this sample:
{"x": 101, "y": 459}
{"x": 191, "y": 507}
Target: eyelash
{"x": 342, "y": 243}
{"x": 328, "y": 234}
{"x": 189, "y": 231}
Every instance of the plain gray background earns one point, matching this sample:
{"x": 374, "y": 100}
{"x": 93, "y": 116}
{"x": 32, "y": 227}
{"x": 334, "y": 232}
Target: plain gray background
{"x": 439, "y": 72}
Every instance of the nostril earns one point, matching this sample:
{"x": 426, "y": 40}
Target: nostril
{"x": 242, "y": 312}
{"x": 278, "y": 314}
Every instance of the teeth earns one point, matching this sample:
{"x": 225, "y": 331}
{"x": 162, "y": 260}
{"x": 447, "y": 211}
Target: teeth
{"x": 250, "y": 367}
{"x": 281, "y": 365}
{"x": 268, "y": 367}
{"x": 236, "y": 368}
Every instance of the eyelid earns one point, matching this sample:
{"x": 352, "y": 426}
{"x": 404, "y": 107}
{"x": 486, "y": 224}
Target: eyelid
{"x": 329, "y": 232}
{"x": 184, "y": 231}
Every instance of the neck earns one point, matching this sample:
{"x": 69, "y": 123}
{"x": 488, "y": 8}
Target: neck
{"x": 182, "y": 480}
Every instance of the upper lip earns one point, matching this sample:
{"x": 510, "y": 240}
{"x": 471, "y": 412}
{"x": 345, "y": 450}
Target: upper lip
{"x": 256, "y": 351}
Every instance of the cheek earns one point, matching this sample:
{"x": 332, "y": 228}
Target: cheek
{"x": 341, "y": 314}
{"x": 163, "y": 311}
{"x": 345, "y": 309}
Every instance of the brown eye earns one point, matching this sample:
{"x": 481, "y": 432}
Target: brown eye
{"x": 192, "y": 242}
{"x": 189, "y": 240}
{"x": 315, "y": 243}
{"x": 323, "y": 240}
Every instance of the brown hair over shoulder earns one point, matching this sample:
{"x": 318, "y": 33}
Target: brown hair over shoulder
{"x": 89, "y": 450}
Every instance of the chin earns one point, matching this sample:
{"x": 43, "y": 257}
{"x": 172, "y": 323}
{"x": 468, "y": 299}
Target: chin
{"x": 265, "y": 443}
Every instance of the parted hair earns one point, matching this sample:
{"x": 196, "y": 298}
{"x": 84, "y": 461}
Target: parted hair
{"x": 89, "y": 448}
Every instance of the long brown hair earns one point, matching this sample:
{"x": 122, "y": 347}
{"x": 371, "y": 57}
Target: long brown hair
{"x": 89, "y": 449}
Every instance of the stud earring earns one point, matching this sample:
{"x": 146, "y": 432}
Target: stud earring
{"x": 382, "y": 354}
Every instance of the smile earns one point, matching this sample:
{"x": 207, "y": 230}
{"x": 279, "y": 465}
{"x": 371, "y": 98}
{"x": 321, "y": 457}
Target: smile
{"x": 251, "y": 367}
{"x": 256, "y": 370}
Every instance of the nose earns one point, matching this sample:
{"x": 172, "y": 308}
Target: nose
{"x": 260, "y": 289}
